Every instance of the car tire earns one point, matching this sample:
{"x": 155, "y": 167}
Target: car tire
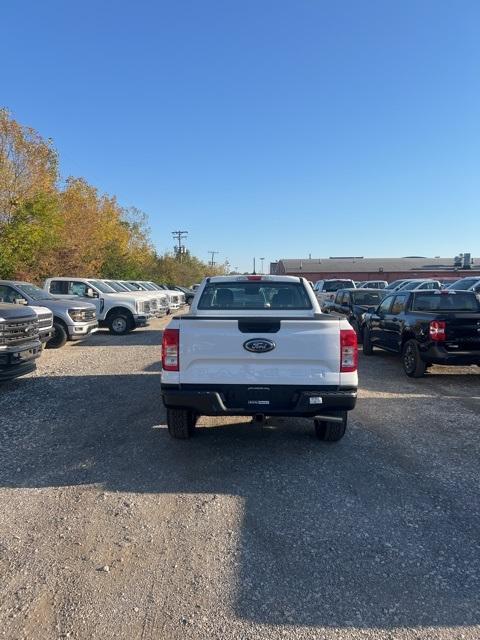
{"x": 120, "y": 324}
{"x": 179, "y": 422}
{"x": 59, "y": 337}
{"x": 331, "y": 431}
{"x": 367, "y": 343}
{"x": 413, "y": 365}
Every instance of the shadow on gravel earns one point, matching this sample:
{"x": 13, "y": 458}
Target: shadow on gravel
{"x": 139, "y": 337}
{"x": 362, "y": 533}
{"x": 384, "y": 372}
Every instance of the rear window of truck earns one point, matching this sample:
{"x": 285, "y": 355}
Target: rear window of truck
{"x": 334, "y": 285}
{"x": 254, "y": 295}
{"x": 446, "y": 302}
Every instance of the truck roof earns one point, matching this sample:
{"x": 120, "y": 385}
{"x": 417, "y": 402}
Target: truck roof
{"x": 259, "y": 277}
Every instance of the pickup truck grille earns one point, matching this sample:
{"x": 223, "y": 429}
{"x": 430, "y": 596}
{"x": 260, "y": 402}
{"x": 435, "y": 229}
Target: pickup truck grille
{"x": 146, "y": 307}
{"x": 174, "y": 299}
{"x": 45, "y": 322}
{"x": 19, "y": 332}
{"x": 153, "y": 305}
{"x": 89, "y": 314}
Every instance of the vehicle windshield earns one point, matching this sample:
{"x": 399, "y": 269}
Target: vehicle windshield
{"x": 101, "y": 286}
{"x": 412, "y": 285}
{"x": 148, "y": 286}
{"x": 394, "y": 284}
{"x": 367, "y": 298}
{"x": 34, "y": 292}
{"x": 128, "y": 286}
{"x": 155, "y": 286}
{"x": 136, "y": 286}
{"x": 254, "y": 295}
{"x": 445, "y": 301}
{"x": 466, "y": 283}
{"x": 334, "y": 285}
{"x": 116, "y": 286}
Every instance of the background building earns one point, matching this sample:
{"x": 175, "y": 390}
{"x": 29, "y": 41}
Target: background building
{"x": 360, "y": 268}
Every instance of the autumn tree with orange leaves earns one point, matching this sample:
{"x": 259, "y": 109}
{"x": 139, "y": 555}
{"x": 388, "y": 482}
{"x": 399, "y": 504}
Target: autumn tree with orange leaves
{"x": 48, "y": 228}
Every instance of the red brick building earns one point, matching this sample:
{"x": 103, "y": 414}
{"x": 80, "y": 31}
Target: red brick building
{"x": 359, "y": 268}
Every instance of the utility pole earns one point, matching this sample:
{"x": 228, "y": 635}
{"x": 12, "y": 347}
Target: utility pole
{"x": 262, "y": 259}
{"x": 212, "y": 259}
{"x": 254, "y": 271}
{"x": 179, "y": 248}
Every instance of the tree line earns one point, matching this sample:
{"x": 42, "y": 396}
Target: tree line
{"x": 50, "y": 226}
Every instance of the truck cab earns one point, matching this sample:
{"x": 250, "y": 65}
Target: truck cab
{"x": 325, "y": 290}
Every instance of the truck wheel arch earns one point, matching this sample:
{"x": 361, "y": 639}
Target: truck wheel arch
{"x": 57, "y": 341}
{"x": 117, "y": 311}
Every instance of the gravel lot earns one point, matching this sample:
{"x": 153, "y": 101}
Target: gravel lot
{"x": 109, "y": 529}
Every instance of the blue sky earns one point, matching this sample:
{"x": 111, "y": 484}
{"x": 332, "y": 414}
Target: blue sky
{"x": 266, "y": 128}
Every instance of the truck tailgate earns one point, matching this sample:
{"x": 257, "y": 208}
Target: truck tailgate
{"x": 463, "y": 331}
{"x": 305, "y": 352}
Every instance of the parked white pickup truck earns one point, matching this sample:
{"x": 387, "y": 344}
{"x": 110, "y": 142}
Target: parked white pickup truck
{"x": 257, "y": 346}
{"x": 325, "y": 290}
{"x": 120, "y": 312}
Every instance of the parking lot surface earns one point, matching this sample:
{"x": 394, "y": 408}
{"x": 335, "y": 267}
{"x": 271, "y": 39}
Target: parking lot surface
{"x": 110, "y": 529}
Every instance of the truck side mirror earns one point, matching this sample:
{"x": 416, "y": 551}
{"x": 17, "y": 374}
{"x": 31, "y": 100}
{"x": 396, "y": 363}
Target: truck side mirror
{"x": 90, "y": 293}
{"x": 20, "y": 301}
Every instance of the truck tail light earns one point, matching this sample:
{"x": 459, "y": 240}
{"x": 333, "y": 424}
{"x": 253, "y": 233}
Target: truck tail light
{"x": 171, "y": 350}
{"x": 348, "y": 350}
{"x": 438, "y": 330}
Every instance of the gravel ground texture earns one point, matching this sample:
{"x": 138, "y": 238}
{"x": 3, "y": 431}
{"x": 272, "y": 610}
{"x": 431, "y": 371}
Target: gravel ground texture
{"x": 110, "y": 529}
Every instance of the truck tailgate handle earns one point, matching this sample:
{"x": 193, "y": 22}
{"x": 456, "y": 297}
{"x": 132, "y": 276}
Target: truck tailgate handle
{"x": 259, "y": 325}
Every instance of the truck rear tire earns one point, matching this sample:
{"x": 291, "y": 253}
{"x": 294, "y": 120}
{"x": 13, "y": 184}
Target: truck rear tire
{"x": 120, "y": 324}
{"x": 180, "y": 423}
{"x": 59, "y": 337}
{"x": 331, "y": 431}
{"x": 367, "y": 343}
{"x": 413, "y": 365}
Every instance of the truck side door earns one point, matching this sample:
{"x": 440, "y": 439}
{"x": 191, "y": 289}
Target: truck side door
{"x": 394, "y": 321}
{"x": 378, "y": 333}
{"x": 336, "y": 304}
{"x": 72, "y": 288}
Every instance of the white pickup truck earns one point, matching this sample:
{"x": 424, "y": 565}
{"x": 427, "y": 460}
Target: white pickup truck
{"x": 258, "y": 345}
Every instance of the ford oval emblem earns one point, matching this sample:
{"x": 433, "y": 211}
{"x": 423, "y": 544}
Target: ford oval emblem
{"x": 259, "y": 345}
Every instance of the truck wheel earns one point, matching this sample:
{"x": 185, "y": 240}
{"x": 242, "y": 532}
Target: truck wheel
{"x": 119, "y": 324}
{"x": 59, "y": 337}
{"x": 179, "y": 422}
{"x": 413, "y": 364}
{"x": 331, "y": 431}
{"x": 367, "y": 343}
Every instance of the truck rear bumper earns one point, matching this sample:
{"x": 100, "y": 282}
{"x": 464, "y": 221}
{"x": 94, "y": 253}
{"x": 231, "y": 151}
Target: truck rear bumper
{"x": 240, "y": 400}
{"x": 440, "y": 355}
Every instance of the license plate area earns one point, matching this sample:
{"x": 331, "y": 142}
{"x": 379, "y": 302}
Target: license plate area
{"x": 260, "y": 397}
